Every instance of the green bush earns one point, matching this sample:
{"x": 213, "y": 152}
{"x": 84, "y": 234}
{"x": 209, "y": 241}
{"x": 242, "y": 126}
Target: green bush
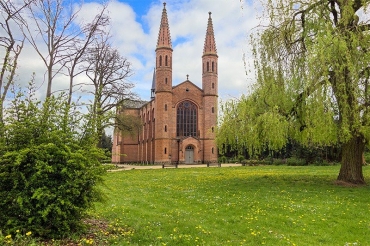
{"x": 279, "y": 162}
{"x": 268, "y": 160}
{"x": 252, "y": 162}
{"x": 46, "y": 189}
{"x": 222, "y": 159}
{"x": 367, "y": 157}
{"x": 48, "y": 170}
{"x": 292, "y": 161}
{"x": 240, "y": 158}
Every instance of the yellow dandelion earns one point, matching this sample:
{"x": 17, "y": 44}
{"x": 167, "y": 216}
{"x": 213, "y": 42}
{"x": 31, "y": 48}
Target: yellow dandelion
{"x": 8, "y": 236}
{"x": 28, "y": 233}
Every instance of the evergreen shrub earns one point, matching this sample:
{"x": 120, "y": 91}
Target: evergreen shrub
{"x": 48, "y": 169}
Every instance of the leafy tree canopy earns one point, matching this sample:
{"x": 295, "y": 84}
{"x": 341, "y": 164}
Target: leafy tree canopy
{"x": 312, "y": 82}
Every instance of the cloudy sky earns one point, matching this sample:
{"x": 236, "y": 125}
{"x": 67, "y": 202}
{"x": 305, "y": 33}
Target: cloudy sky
{"x": 135, "y": 26}
{"x": 134, "y": 29}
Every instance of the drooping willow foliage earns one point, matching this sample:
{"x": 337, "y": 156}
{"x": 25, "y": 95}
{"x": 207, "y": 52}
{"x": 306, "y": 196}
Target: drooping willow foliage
{"x": 312, "y": 82}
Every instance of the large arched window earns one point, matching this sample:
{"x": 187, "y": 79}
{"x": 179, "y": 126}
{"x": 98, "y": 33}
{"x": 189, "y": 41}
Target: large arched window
{"x": 187, "y": 119}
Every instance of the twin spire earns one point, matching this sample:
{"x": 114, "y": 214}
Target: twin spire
{"x": 210, "y": 43}
{"x": 164, "y": 36}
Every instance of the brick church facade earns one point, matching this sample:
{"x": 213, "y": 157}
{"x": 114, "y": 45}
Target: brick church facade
{"x": 178, "y": 123}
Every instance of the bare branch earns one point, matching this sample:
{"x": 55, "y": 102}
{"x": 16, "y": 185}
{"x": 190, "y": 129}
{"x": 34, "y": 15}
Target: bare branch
{"x": 13, "y": 46}
{"x": 54, "y": 25}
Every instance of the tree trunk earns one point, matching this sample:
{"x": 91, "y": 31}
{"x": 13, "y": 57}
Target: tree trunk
{"x": 50, "y": 79}
{"x": 351, "y": 168}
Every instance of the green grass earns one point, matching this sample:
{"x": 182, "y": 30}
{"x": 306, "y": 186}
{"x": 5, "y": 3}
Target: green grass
{"x": 262, "y": 205}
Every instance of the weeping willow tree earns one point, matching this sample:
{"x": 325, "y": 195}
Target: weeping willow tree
{"x": 312, "y": 64}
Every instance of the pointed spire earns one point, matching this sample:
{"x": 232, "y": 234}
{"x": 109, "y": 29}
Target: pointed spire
{"x": 210, "y": 44}
{"x": 164, "y": 37}
{"x": 153, "y": 82}
{"x": 152, "y": 94}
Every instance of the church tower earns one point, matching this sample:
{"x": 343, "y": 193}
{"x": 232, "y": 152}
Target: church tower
{"x": 179, "y": 122}
{"x": 210, "y": 89}
{"x": 163, "y": 90}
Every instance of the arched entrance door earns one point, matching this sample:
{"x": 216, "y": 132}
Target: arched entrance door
{"x": 189, "y": 154}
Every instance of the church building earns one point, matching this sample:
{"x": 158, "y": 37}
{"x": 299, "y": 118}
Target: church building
{"x": 178, "y": 124}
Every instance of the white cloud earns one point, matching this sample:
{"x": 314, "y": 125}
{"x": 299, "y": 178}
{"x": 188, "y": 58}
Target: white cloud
{"x": 232, "y": 21}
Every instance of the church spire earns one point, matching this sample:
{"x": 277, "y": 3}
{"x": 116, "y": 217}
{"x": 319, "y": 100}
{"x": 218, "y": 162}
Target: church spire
{"x": 152, "y": 91}
{"x": 210, "y": 44}
{"x": 164, "y": 37}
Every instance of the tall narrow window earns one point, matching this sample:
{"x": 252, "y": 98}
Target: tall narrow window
{"x": 165, "y": 128}
{"x": 207, "y": 66}
{"x": 213, "y": 150}
{"x": 213, "y": 85}
{"x": 213, "y": 66}
{"x": 213, "y": 110}
{"x": 166, "y": 61}
{"x": 166, "y": 81}
{"x": 165, "y": 150}
{"x": 187, "y": 119}
{"x": 160, "y": 61}
{"x": 165, "y": 107}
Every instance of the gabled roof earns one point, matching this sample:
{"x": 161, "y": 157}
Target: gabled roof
{"x": 187, "y": 81}
{"x": 134, "y": 104}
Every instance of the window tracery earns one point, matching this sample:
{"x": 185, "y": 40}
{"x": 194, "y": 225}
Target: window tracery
{"x": 187, "y": 119}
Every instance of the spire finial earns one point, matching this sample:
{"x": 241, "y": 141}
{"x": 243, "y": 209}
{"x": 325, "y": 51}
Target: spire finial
{"x": 164, "y": 37}
{"x": 187, "y": 77}
{"x": 210, "y": 44}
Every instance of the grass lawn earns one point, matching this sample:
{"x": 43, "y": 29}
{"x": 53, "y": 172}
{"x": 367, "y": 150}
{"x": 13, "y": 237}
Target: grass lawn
{"x": 270, "y": 205}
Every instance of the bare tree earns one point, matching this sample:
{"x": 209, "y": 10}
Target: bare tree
{"x": 75, "y": 55}
{"x": 10, "y": 17}
{"x": 107, "y": 71}
{"x": 52, "y": 21}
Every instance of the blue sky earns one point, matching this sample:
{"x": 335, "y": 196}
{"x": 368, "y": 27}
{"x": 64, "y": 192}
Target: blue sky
{"x": 134, "y": 30}
{"x": 135, "y": 26}
{"x": 141, "y": 7}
